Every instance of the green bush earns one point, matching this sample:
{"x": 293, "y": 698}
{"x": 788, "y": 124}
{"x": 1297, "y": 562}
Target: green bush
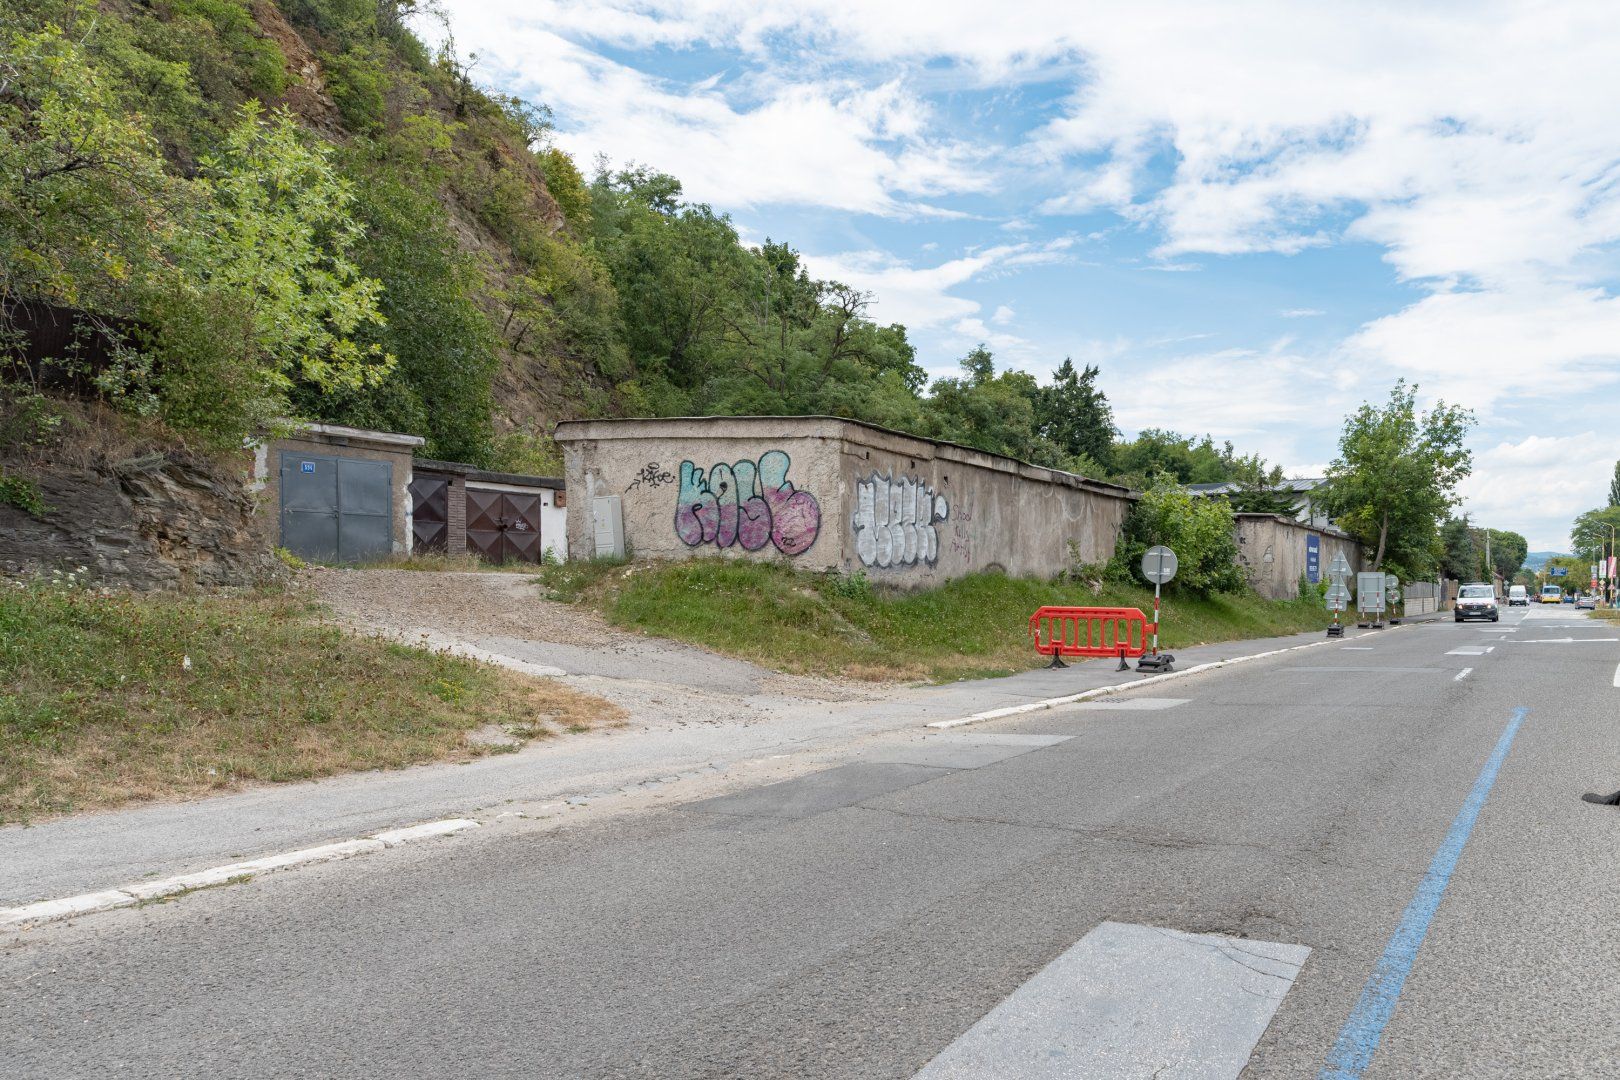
{"x": 1199, "y": 531}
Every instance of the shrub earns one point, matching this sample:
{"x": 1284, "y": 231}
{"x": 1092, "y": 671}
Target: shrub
{"x": 1198, "y": 530}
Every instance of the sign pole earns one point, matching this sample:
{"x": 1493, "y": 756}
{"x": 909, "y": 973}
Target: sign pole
{"x": 1156, "y": 615}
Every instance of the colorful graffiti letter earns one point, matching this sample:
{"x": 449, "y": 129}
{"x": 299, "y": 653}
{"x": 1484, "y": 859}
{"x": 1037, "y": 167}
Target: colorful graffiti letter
{"x": 895, "y": 520}
{"x": 746, "y": 504}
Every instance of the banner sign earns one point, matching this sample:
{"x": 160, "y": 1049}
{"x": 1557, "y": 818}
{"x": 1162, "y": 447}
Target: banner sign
{"x": 1313, "y": 559}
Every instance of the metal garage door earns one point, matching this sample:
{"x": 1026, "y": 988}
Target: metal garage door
{"x": 503, "y": 526}
{"x": 430, "y": 513}
{"x": 336, "y": 509}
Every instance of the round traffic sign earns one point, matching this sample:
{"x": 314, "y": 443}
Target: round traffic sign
{"x": 1391, "y": 581}
{"x": 1159, "y": 564}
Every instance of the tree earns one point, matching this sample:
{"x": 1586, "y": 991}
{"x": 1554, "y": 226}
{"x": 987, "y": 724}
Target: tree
{"x": 1590, "y": 533}
{"x": 1396, "y": 476}
{"x": 1508, "y": 550}
{"x": 1075, "y": 416}
{"x": 1614, "y": 486}
{"x": 1199, "y": 531}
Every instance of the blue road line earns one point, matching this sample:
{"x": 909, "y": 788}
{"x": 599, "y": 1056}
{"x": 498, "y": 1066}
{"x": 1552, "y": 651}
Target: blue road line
{"x": 1358, "y": 1040}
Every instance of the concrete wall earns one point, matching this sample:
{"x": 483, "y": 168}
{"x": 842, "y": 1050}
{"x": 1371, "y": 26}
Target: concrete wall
{"x": 830, "y": 494}
{"x": 338, "y": 441}
{"x": 1271, "y": 551}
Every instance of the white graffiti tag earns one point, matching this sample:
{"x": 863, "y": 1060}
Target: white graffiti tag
{"x": 894, "y": 521}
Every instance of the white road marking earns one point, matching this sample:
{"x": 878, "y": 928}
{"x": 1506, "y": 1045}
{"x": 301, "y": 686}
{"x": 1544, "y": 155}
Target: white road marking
{"x": 1470, "y": 650}
{"x": 48, "y": 910}
{"x": 1141, "y": 704}
{"x": 1463, "y": 674}
{"x": 1358, "y": 648}
{"x": 1125, "y": 1000}
{"x": 1560, "y": 640}
{"x": 1617, "y": 676}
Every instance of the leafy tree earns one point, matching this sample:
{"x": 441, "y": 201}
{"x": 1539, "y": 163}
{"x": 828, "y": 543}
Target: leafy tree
{"x": 1396, "y": 476}
{"x": 1614, "y": 486}
{"x": 1075, "y": 417}
{"x": 1590, "y": 535}
{"x": 1508, "y": 550}
{"x": 1200, "y": 532}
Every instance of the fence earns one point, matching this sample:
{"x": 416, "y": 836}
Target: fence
{"x": 1095, "y": 632}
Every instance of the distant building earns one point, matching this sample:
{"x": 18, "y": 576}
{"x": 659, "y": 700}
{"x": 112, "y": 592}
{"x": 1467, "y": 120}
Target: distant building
{"x": 1304, "y": 490}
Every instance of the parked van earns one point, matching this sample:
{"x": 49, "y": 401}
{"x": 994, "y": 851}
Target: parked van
{"x": 1517, "y": 594}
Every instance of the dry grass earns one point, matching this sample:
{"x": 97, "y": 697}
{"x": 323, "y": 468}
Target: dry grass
{"x": 99, "y": 707}
{"x": 445, "y": 563}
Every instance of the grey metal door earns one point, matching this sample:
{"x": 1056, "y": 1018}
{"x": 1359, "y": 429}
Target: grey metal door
{"x": 336, "y": 509}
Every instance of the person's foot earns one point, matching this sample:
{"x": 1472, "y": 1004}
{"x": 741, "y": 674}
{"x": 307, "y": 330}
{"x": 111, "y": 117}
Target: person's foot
{"x": 1602, "y": 800}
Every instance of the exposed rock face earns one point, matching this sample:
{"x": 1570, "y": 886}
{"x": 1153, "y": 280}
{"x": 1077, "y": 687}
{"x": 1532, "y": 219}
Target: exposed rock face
{"x": 163, "y": 521}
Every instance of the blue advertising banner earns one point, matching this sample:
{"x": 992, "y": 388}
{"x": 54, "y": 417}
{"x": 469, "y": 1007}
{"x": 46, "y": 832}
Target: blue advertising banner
{"x": 1313, "y": 559}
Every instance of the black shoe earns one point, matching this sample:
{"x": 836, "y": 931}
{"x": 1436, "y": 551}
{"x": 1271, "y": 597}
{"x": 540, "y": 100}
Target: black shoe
{"x": 1602, "y": 800}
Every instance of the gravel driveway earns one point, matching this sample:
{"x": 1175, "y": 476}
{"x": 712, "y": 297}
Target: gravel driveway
{"x": 503, "y": 618}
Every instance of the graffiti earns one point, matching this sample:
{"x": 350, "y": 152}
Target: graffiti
{"x": 894, "y": 521}
{"x": 746, "y": 504}
{"x": 653, "y": 475}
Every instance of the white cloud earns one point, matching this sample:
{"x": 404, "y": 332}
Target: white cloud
{"x": 1537, "y": 485}
{"x": 1003, "y": 315}
{"x": 922, "y": 297}
{"x": 1301, "y": 313}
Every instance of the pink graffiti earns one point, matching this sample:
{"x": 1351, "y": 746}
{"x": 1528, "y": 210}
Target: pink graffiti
{"x": 746, "y": 504}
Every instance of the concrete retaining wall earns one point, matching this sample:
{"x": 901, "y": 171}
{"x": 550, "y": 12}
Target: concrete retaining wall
{"x": 1272, "y": 551}
{"x": 830, "y": 494}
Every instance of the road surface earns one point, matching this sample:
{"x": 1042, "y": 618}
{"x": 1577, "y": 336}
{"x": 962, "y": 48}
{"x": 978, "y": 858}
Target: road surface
{"x": 1359, "y": 859}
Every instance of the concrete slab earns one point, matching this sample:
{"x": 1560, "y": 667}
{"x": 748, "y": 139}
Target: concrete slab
{"x": 830, "y": 789}
{"x": 1145, "y": 704}
{"x": 962, "y": 751}
{"x": 1131, "y": 1001}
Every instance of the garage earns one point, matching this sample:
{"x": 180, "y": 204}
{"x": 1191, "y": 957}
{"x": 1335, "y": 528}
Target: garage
{"x": 499, "y": 517}
{"x": 338, "y": 494}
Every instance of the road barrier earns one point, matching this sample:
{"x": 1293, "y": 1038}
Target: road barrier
{"x": 1093, "y": 632}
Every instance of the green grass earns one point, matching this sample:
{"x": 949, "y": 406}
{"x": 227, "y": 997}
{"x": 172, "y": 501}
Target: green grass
{"x": 99, "y": 706}
{"x": 828, "y": 624}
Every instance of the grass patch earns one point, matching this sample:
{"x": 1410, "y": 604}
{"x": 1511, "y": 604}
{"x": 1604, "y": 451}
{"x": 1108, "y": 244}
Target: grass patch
{"x": 835, "y": 625}
{"x": 109, "y": 698}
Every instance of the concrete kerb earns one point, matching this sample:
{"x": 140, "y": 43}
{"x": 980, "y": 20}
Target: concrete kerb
{"x": 1120, "y": 688}
{"x": 144, "y": 892}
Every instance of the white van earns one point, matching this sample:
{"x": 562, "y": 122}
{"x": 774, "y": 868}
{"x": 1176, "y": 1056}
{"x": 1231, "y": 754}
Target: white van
{"x": 1518, "y": 595}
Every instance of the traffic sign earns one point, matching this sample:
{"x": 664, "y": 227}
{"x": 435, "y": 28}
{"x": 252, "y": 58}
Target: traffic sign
{"x": 1337, "y": 591}
{"x": 1340, "y": 566}
{"x": 1391, "y": 581}
{"x": 1159, "y": 564}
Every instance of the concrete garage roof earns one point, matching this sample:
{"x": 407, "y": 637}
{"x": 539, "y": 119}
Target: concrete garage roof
{"x": 814, "y": 427}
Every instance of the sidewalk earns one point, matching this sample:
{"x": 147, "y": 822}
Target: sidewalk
{"x": 96, "y": 851}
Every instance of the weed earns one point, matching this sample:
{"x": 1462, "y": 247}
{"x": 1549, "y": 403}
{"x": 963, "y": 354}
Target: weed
{"x": 22, "y": 493}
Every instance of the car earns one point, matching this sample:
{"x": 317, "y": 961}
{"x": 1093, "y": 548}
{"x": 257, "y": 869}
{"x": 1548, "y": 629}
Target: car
{"x": 1518, "y": 596}
{"x": 1476, "y": 600}
{"x": 1569, "y": 599}
{"x": 1588, "y": 601}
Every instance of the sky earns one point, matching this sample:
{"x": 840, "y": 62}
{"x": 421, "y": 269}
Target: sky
{"x": 1251, "y": 216}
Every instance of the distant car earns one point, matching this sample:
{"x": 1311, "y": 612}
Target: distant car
{"x": 1552, "y": 594}
{"x": 1587, "y": 601}
{"x": 1476, "y": 601}
{"x": 1570, "y": 598}
{"x": 1517, "y": 595}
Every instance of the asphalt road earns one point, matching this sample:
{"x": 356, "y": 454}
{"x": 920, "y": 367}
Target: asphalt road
{"x": 864, "y": 920}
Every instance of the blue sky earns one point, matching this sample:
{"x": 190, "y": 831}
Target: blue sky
{"x": 1250, "y": 216}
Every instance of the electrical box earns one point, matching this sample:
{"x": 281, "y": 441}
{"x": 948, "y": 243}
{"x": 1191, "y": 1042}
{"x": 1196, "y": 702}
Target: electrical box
{"x": 608, "y": 514}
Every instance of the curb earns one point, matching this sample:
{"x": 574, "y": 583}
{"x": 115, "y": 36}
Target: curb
{"x": 147, "y": 891}
{"x": 1120, "y": 688}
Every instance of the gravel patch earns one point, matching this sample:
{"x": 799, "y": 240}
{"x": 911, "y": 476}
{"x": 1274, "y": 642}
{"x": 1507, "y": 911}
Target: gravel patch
{"x": 505, "y": 618}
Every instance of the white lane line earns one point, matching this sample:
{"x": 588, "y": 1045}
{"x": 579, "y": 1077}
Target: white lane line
{"x": 1463, "y": 674}
{"x": 1617, "y": 676}
{"x": 1469, "y": 650}
{"x": 1358, "y": 648}
{"x": 1560, "y": 640}
{"x": 1141, "y": 704}
{"x": 1125, "y": 1000}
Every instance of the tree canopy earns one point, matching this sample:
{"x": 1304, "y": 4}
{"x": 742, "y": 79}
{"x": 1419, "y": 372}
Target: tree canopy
{"x": 1396, "y": 477}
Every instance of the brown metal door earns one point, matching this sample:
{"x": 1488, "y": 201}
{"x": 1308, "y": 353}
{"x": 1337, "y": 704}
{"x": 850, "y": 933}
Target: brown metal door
{"x": 503, "y": 526}
{"x": 521, "y": 537}
{"x": 430, "y": 513}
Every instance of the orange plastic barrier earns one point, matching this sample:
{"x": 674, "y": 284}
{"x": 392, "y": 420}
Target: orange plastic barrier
{"x": 1080, "y": 631}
